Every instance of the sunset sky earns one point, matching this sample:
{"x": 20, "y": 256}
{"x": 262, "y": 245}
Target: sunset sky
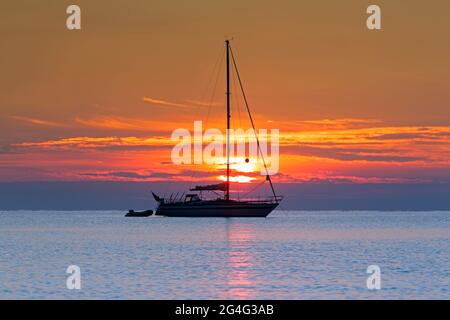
{"x": 352, "y": 105}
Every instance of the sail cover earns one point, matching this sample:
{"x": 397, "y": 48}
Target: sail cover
{"x": 211, "y": 187}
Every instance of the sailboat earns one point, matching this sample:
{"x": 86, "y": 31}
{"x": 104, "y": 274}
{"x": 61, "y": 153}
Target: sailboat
{"x": 193, "y": 205}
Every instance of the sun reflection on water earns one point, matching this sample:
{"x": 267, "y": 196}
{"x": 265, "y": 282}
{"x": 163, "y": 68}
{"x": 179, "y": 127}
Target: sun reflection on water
{"x": 240, "y": 261}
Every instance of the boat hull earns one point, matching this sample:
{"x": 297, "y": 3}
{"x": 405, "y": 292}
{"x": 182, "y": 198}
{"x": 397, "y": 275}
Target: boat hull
{"x": 146, "y": 213}
{"x": 225, "y": 210}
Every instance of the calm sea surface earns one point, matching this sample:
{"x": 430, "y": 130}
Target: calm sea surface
{"x": 290, "y": 255}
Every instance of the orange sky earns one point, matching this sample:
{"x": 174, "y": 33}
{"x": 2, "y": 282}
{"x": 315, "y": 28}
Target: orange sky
{"x": 352, "y": 105}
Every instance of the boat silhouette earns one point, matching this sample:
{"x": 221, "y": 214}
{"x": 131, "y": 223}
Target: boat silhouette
{"x": 132, "y": 213}
{"x": 193, "y": 205}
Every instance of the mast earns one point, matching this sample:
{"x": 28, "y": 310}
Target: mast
{"x": 227, "y": 194}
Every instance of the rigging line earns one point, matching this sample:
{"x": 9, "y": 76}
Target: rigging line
{"x": 236, "y": 98}
{"x": 207, "y": 87}
{"x": 233, "y": 122}
{"x": 213, "y": 94}
{"x": 254, "y": 188}
{"x": 215, "y": 72}
{"x": 238, "y": 109}
{"x": 253, "y": 125}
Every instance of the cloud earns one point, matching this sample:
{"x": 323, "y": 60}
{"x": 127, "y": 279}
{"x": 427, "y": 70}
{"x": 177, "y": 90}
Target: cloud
{"x": 186, "y": 175}
{"x": 362, "y": 180}
{"x": 5, "y": 149}
{"x": 126, "y": 123}
{"x": 111, "y": 143}
{"x": 412, "y": 136}
{"x": 121, "y": 174}
{"x": 39, "y": 122}
{"x": 342, "y": 121}
{"x": 399, "y": 136}
{"x": 202, "y": 103}
{"x": 378, "y": 154}
{"x": 164, "y": 103}
{"x": 329, "y": 124}
{"x": 351, "y": 154}
{"x": 384, "y": 144}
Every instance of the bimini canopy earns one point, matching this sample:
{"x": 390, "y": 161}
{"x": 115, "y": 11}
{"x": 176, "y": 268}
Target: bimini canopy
{"x": 211, "y": 187}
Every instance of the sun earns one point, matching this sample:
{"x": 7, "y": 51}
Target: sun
{"x": 245, "y": 167}
{"x": 238, "y": 179}
{"x": 240, "y": 164}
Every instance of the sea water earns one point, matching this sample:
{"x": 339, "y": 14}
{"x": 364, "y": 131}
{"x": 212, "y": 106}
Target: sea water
{"x": 289, "y": 255}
